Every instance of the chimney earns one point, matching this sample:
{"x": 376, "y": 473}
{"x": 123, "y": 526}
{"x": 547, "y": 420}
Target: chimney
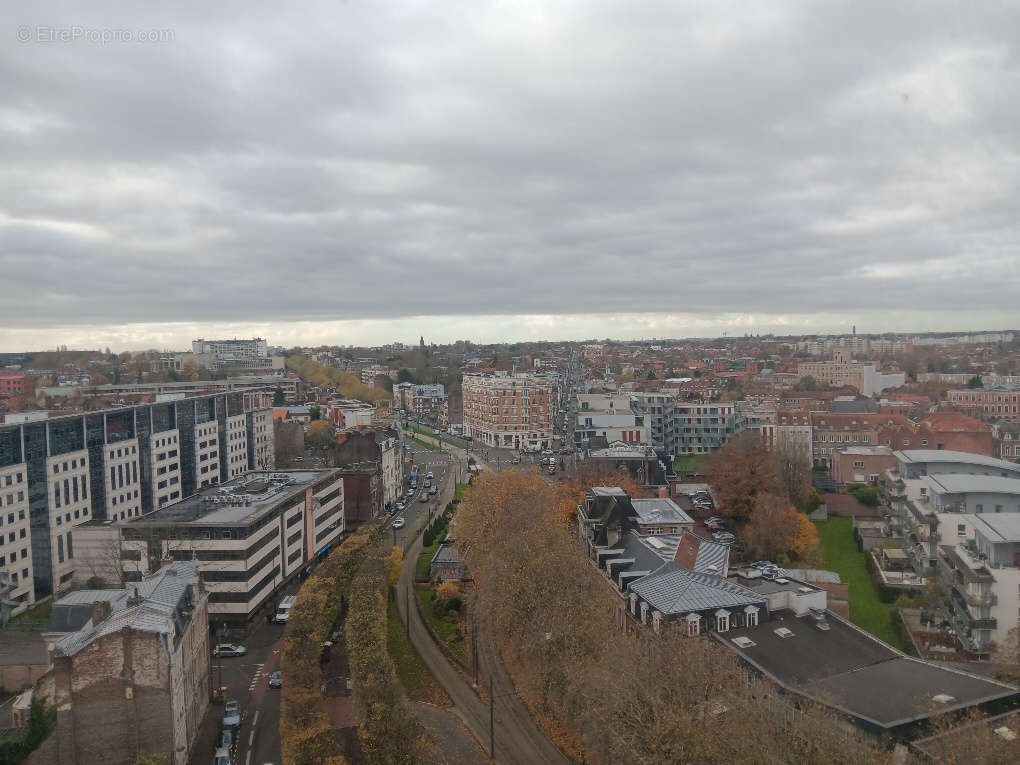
{"x": 134, "y": 600}
{"x": 100, "y": 611}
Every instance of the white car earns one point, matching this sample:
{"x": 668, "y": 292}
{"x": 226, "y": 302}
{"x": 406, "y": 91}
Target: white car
{"x": 224, "y": 650}
{"x": 398, "y": 523}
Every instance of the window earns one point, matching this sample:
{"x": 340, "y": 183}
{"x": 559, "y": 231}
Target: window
{"x": 961, "y": 529}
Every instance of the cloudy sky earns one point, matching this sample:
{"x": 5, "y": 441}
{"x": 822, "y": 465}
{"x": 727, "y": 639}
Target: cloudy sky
{"x": 370, "y": 170}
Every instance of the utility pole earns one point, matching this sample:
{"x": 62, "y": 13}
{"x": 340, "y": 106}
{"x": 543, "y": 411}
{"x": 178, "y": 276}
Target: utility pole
{"x": 492, "y": 722}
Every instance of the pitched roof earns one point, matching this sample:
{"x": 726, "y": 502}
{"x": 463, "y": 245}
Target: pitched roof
{"x": 674, "y": 590}
{"x": 696, "y": 554}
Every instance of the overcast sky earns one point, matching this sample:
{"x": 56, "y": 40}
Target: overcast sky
{"x": 370, "y": 170}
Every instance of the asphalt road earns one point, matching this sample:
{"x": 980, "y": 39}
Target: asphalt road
{"x": 247, "y": 680}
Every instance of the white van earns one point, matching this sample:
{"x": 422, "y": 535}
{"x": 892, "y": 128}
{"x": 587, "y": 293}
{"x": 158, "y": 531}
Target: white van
{"x": 283, "y": 610}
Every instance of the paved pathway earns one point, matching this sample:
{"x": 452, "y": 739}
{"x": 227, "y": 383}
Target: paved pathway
{"x": 518, "y": 739}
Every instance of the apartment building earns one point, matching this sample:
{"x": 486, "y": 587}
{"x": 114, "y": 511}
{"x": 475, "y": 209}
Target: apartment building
{"x": 659, "y": 411}
{"x": 843, "y": 370}
{"x": 998, "y": 403}
{"x": 512, "y": 410}
{"x": 251, "y": 535}
{"x": 953, "y": 508}
{"x": 15, "y": 385}
{"x": 115, "y": 464}
{"x": 608, "y": 418}
{"x": 239, "y": 354}
{"x": 130, "y": 671}
{"x": 705, "y": 428}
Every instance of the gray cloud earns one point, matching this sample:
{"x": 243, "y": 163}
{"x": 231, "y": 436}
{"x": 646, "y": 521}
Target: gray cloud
{"x": 370, "y": 160}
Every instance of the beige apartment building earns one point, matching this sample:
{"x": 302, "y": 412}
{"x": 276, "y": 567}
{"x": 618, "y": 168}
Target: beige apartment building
{"x": 510, "y": 410}
{"x": 843, "y": 370}
{"x": 999, "y": 403}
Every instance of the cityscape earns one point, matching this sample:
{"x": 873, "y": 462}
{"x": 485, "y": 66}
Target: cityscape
{"x": 532, "y": 383}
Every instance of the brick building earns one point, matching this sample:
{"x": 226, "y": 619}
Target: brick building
{"x": 134, "y": 676}
{"x": 998, "y": 403}
{"x": 861, "y": 464}
{"x": 509, "y": 410}
{"x": 15, "y": 385}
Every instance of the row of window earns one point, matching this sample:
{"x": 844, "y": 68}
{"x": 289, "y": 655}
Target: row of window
{"x": 71, "y": 491}
{"x": 166, "y": 455}
{"x": 72, "y": 465}
{"x": 159, "y": 442}
{"x": 78, "y": 514}
{"x": 13, "y": 536}
{"x": 18, "y": 477}
{"x": 121, "y": 475}
{"x": 126, "y": 451}
{"x": 10, "y": 500}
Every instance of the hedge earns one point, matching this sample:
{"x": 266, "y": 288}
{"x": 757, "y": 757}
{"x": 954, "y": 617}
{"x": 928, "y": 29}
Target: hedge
{"x": 40, "y": 722}
{"x": 306, "y": 735}
{"x": 388, "y": 730}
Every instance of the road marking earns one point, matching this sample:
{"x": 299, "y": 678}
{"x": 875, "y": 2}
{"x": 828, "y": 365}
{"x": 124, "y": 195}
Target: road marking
{"x": 251, "y": 738}
{"x": 247, "y": 758}
{"x": 255, "y": 721}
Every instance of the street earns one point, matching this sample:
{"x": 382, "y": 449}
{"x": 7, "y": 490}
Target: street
{"x": 247, "y": 679}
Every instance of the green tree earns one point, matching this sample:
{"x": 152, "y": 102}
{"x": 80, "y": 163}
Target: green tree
{"x": 405, "y": 375}
{"x": 975, "y": 382}
{"x": 314, "y": 413}
{"x": 651, "y": 374}
{"x": 278, "y": 398}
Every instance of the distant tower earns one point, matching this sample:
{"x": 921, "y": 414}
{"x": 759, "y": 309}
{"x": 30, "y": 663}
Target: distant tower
{"x": 855, "y": 330}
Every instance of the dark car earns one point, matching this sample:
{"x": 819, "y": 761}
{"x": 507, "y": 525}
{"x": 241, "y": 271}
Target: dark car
{"x": 276, "y": 679}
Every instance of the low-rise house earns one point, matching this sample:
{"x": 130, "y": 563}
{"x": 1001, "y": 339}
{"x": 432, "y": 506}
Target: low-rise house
{"x": 447, "y": 563}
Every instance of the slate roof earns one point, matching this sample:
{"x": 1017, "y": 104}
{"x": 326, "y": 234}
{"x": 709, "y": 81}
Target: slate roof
{"x": 697, "y": 554}
{"x": 158, "y": 612}
{"x": 74, "y": 610}
{"x": 673, "y": 590}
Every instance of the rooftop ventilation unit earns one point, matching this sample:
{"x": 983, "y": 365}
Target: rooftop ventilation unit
{"x": 804, "y": 589}
{"x": 743, "y": 642}
{"x": 782, "y": 580}
{"x": 783, "y": 632}
{"x": 658, "y": 544}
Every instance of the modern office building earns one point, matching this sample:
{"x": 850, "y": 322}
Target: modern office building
{"x": 115, "y": 464}
{"x": 252, "y": 535}
{"x": 510, "y": 410}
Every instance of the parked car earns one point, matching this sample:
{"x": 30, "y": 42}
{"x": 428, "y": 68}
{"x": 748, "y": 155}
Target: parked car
{"x": 715, "y": 519}
{"x": 429, "y": 475}
{"x": 226, "y": 650}
{"x": 228, "y": 739}
{"x": 222, "y": 757}
{"x": 719, "y": 536}
{"x": 433, "y": 490}
{"x": 552, "y": 470}
{"x": 424, "y": 497}
{"x": 401, "y": 505}
{"x": 276, "y": 679}
{"x": 516, "y": 460}
{"x": 398, "y": 523}
{"x": 763, "y": 564}
{"x": 232, "y": 715}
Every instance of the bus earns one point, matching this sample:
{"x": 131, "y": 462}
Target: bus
{"x": 283, "y": 610}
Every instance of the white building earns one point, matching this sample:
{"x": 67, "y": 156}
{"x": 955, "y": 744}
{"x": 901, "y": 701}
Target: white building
{"x": 165, "y": 458}
{"x": 240, "y": 354}
{"x": 15, "y": 540}
{"x": 252, "y": 535}
{"x": 207, "y": 451}
{"x": 123, "y": 487}
{"x": 843, "y": 370}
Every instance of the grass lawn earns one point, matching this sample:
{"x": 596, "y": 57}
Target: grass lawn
{"x": 422, "y": 571}
{"x": 460, "y": 491}
{"x": 437, "y": 436}
{"x": 448, "y": 631}
{"x": 840, "y": 554}
{"x": 688, "y": 464}
{"x": 417, "y": 679}
{"x": 39, "y": 614}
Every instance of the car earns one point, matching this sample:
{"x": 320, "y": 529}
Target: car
{"x": 715, "y": 525}
{"x": 552, "y": 470}
{"x": 721, "y": 536}
{"x": 226, "y": 650}
{"x": 228, "y": 739}
{"x": 547, "y": 452}
{"x": 763, "y": 564}
{"x": 398, "y": 523}
{"x": 424, "y": 497}
{"x": 433, "y": 490}
{"x": 715, "y": 519}
{"x": 516, "y": 460}
{"x": 276, "y": 679}
{"x": 429, "y": 476}
{"x": 221, "y": 757}
{"x": 232, "y": 715}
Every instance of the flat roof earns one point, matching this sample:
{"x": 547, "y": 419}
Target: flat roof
{"x": 966, "y": 483}
{"x": 659, "y": 510}
{"x": 846, "y": 668}
{"x": 237, "y": 501}
{"x": 909, "y": 456}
